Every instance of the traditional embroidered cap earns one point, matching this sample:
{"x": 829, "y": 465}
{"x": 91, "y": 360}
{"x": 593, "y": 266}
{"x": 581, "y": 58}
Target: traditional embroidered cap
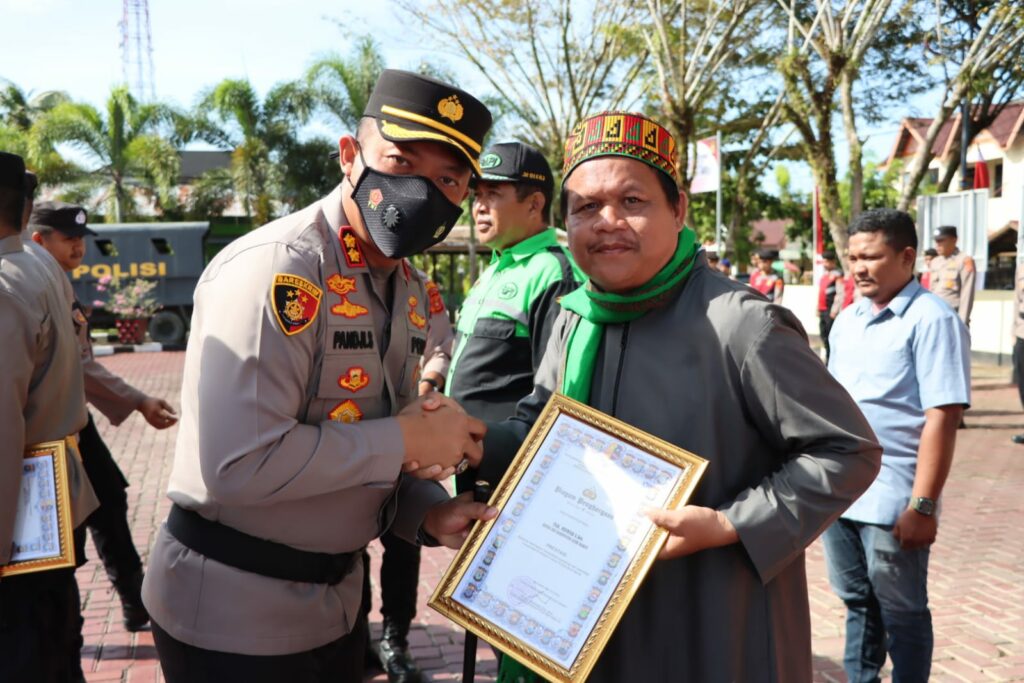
{"x": 617, "y": 133}
{"x": 944, "y": 231}
{"x": 69, "y": 219}
{"x": 12, "y": 171}
{"x": 410, "y": 107}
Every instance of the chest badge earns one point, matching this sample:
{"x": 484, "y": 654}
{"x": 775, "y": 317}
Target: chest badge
{"x": 414, "y": 316}
{"x": 355, "y": 379}
{"x": 343, "y": 286}
{"x": 347, "y": 411}
{"x": 296, "y": 302}
{"x": 508, "y": 290}
{"x": 350, "y": 248}
{"x": 434, "y": 295}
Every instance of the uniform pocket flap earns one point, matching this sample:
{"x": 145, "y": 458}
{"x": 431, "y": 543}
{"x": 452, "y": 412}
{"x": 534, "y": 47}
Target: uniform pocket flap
{"x": 495, "y": 328}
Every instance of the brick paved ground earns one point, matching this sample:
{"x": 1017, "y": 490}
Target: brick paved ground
{"x": 977, "y": 564}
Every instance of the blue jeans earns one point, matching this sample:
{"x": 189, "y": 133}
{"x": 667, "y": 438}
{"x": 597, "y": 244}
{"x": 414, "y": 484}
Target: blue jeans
{"x": 885, "y": 590}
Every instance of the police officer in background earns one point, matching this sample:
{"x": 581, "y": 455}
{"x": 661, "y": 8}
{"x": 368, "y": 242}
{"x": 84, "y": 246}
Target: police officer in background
{"x": 43, "y": 400}
{"x": 60, "y": 228}
{"x": 952, "y": 273}
{"x": 506, "y": 319}
{"x": 301, "y": 430}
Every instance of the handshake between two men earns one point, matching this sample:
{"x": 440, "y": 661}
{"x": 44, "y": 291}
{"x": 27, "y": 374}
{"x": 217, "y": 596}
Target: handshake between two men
{"x": 441, "y": 439}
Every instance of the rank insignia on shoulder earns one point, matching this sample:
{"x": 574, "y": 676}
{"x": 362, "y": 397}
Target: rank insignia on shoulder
{"x": 414, "y": 316}
{"x": 355, "y": 379}
{"x": 296, "y": 302}
{"x": 350, "y": 248}
{"x": 434, "y": 295}
{"x": 347, "y": 411}
{"x": 343, "y": 286}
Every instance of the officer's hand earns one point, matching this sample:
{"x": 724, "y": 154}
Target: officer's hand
{"x": 437, "y": 431}
{"x": 914, "y": 530}
{"x": 691, "y": 529}
{"x": 449, "y": 522}
{"x": 157, "y": 412}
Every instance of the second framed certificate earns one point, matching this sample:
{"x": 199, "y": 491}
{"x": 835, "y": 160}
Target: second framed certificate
{"x": 550, "y": 577}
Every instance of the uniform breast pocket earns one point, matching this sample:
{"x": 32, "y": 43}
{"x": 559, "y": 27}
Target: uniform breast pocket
{"x": 495, "y": 328}
{"x": 348, "y": 375}
{"x": 409, "y": 381}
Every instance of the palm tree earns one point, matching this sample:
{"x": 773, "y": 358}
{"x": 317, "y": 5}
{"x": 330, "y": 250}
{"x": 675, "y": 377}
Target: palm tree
{"x": 268, "y": 162}
{"x": 343, "y": 85}
{"x": 19, "y": 112}
{"x": 126, "y": 144}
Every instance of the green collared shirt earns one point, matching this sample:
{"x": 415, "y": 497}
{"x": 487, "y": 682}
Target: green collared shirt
{"x": 504, "y": 322}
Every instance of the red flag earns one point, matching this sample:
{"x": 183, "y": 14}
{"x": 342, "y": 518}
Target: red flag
{"x": 981, "y": 175}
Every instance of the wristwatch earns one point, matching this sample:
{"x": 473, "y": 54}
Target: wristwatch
{"x": 922, "y": 505}
{"x": 431, "y": 381}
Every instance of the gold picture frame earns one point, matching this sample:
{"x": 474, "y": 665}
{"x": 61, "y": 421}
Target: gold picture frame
{"x": 590, "y": 549}
{"x": 43, "y": 532}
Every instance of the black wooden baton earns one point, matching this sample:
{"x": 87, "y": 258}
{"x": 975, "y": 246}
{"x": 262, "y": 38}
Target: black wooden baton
{"x": 481, "y": 494}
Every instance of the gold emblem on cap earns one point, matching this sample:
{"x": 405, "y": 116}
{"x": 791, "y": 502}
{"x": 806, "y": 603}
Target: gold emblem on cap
{"x": 450, "y": 108}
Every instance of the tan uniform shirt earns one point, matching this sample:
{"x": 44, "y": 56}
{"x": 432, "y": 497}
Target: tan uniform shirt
{"x": 110, "y": 394}
{"x": 953, "y": 281}
{"x": 43, "y": 399}
{"x": 296, "y": 362}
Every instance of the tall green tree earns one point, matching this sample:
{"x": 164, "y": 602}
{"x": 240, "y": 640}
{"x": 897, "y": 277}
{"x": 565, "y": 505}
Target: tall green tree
{"x": 125, "y": 142}
{"x": 19, "y": 112}
{"x": 342, "y": 85}
{"x": 270, "y": 165}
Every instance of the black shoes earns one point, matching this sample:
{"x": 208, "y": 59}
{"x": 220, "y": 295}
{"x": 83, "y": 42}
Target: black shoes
{"x": 398, "y": 664}
{"x": 130, "y": 591}
{"x": 1017, "y": 438}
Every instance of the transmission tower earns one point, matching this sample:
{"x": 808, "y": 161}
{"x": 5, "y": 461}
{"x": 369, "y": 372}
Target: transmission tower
{"x": 137, "y": 49}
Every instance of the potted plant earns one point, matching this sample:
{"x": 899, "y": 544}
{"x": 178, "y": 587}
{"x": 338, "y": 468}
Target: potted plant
{"x": 132, "y": 305}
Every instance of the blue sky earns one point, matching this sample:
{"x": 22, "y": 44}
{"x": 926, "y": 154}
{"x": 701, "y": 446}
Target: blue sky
{"x": 74, "y": 45}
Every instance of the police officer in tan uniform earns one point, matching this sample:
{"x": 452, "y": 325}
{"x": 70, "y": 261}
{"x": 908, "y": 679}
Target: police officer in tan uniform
{"x": 60, "y": 228}
{"x": 43, "y": 400}
{"x": 302, "y": 436}
{"x": 952, "y": 273}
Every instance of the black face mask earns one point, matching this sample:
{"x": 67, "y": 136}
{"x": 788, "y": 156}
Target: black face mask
{"x": 404, "y": 214}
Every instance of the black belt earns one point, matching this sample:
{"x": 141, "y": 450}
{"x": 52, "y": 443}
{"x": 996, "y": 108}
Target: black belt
{"x": 257, "y": 555}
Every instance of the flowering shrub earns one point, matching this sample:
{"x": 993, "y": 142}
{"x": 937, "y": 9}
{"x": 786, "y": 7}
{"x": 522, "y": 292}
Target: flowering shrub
{"x": 131, "y": 299}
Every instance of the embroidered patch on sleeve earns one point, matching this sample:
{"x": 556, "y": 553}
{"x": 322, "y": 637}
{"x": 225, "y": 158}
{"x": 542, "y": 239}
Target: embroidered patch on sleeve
{"x": 296, "y": 302}
{"x": 436, "y": 301}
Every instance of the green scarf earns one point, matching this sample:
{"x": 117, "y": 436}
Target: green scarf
{"x": 597, "y": 309}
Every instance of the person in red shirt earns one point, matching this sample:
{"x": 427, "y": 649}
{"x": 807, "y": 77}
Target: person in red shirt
{"x": 925, "y": 276}
{"x": 765, "y": 279}
{"x": 827, "y": 289}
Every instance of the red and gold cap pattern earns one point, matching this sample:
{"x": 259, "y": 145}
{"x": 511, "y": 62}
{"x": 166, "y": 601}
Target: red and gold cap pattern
{"x": 618, "y": 133}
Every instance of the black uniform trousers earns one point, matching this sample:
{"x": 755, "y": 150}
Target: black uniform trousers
{"x": 109, "y": 523}
{"x": 336, "y": 662}
{"x": 825, "y": 321}
{"x": 41, "y": 624}
{"x": 399, "y": 579}
{"x": 1018, "y": 368}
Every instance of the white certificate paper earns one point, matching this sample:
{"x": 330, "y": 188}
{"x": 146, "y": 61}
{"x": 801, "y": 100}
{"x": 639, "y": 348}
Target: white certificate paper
{"x": 37, "y": 525}
{"x": 571, "y": 546}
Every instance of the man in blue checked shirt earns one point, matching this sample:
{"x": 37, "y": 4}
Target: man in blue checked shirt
{"x": 904, "y": 356}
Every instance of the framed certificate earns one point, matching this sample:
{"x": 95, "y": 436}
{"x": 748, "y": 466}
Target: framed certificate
{"x": 42, "y": 526}
{"x": 549, "y": 578}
